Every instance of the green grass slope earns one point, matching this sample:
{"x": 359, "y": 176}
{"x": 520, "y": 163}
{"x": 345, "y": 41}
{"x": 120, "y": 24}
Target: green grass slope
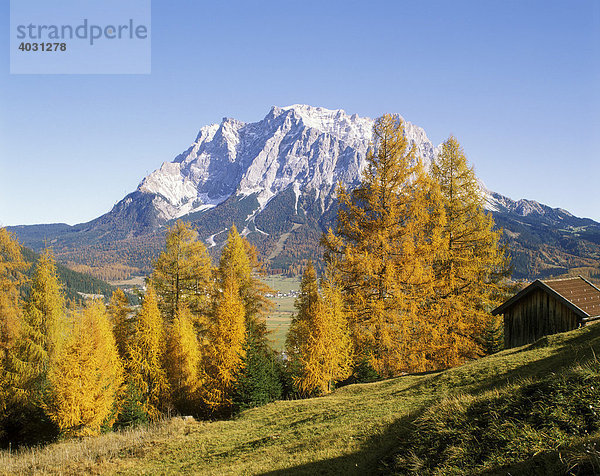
{"x": 529, "y": 410}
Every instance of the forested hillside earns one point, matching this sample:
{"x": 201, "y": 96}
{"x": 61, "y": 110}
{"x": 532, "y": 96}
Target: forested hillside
{"x": 75, "y": 283}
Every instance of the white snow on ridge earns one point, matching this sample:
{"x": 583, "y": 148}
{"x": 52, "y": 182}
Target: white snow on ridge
{"x": 308, "y": 148}
{"x": 352, "y": 129}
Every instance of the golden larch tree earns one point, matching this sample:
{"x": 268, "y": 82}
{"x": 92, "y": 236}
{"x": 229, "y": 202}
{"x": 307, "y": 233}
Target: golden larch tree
{"x": 43, "y": 327}
{"x": 146, "y": 357}
{"x": 183, "y": 273}
{"x": 86, "y": 375}
{"x": 183, "y": 363}
{"x": 254, "y": 383}
{"x": 471, "y": 264}
{"x": 12, "y": 267}
{"x": 387, "y": 235}
{"x": 298, "y": 334}
{"x": 241, "y": 259}
{"x": 318, "y": 346}
{"x": 225, "y": 357}
{"x": 122, "y": 321}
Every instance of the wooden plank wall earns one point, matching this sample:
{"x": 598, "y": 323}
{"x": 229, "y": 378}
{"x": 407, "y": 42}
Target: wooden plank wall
{"x": 534, "y": 316}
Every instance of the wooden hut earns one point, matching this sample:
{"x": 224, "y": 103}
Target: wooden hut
{"x": 547, "y": 307}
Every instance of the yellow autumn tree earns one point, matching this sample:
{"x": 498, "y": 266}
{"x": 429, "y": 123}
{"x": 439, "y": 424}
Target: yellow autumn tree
{"x": 318, "y": 345}
{"x": 258, "y": 381}
{"x": 183, "y": 363}
{"x": 225, "y": 357}
{"x": 241, "y": 259}
{"x": 146, "y": 353}
{"x": 471, "y": 265}
{"x": 86, "y": 375}
{"x": 332, "y": 340}
{"x": 386, "y": 238}
{"x": 123, "y": 324}
{"x": 183, "y": 273}
{"x": 299, "y": 332}
{"x": 43, "y": 328}
{"x": 12, "y": 267}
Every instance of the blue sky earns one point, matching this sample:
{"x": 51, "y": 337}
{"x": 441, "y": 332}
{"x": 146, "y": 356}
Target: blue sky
{"x": 517, "y": 82}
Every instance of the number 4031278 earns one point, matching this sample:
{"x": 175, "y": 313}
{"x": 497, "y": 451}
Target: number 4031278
{"x": 43, "y": 47}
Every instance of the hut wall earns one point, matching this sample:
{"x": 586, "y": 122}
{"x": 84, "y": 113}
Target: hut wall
{"x": 534, "y": 316}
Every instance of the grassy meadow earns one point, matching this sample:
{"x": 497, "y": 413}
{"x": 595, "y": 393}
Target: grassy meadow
{"x": 278, "y": 322}
{"x": 380, "y": 427}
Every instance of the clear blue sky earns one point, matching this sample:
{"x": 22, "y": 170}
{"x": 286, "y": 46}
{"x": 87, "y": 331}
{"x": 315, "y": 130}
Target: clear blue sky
{"x": 517, "y": 82}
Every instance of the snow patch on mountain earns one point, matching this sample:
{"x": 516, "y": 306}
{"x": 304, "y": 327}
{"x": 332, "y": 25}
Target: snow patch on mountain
{"x": 523, "y": 207}
{"x": 308, "y": 148}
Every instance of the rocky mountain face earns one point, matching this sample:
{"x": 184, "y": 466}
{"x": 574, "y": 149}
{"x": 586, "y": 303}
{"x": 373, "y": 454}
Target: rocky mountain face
{"x": 275, "y": 179}
{"x": 302, "y": 148}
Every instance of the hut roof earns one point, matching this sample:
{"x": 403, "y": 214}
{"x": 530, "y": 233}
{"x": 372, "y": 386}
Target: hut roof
{"x": 578, "y": 294}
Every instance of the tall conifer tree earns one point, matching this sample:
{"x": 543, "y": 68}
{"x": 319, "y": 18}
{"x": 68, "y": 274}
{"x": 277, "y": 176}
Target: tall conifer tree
{"x": 43, "y": 328}
{"x": 387, "y": 235}
{"x": 318, "y": 346}
{"x": 12, "y": 267}
{"x": 471, "y": 265}
{"x": 86, "y": 375}
{"x": 183, "y": 273}
{"x": 225, "y": 359}
{"x": 254, "y": 383}
{"x": 183, "y": 363}
{"x": 240, "y": 258}
{"x": 146, "y": 357}
{"x": 123, "y": 325}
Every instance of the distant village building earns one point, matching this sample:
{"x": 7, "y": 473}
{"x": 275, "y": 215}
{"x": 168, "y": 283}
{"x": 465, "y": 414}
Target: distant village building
{"x": 547, "y": 307}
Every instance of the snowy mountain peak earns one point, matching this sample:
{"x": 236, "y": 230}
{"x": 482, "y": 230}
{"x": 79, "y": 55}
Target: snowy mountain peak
{"x": 276, "y": 178}
{"x": 312, "y": 146}
{"x": 305, "y": 148}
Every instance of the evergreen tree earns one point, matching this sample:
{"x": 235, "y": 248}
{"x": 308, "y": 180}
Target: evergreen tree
{"x": 183, "y": 363}
{"x": 146, "y": 353}
{"x": 259, "y": 382}
{"x": 319, "y": 346}
{"x": 471, "y": 265}
{"x": 123, "y": 325}
{"x": 86, "y": 375}
{"x": 182, "y": 274}
{"x": 493, "y": 335}
{"x": 387, "y": 235}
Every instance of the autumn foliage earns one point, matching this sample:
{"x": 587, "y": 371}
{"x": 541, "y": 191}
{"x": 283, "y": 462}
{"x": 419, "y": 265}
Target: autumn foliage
{"x": 86, "y": 375}
{"x": 412, "y": 270}
{"x": 318, "y": 345}
{"x": 418, "y": 261}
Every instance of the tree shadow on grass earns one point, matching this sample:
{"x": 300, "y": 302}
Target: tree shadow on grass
{"x": 374, "y": 456}
{"x": 577, "y": 348}
{"x": 580, "y": 348}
